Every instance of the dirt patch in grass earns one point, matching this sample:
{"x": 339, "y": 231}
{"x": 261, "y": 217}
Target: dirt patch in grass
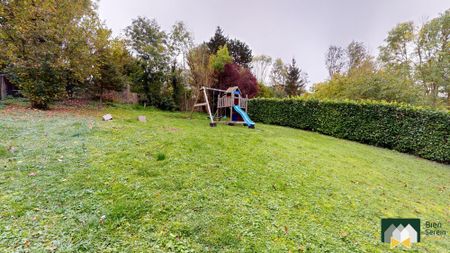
{"x": 65, "y": 108}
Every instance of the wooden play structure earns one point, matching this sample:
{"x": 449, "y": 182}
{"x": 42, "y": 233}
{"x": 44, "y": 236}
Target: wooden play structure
{"x": 230, "y": 106}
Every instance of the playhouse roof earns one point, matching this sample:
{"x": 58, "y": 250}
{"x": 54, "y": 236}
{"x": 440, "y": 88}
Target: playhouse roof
{"x": 232, "y": 89}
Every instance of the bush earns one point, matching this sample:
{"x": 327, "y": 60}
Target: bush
{"x": 419, "y": 131}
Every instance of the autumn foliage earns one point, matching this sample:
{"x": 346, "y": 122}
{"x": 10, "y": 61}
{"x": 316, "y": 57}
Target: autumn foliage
{"x": 235, "y": 75}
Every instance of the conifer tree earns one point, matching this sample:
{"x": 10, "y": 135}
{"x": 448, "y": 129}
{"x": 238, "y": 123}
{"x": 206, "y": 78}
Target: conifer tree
{"x": 217, "y": 41}
{"x": 295, "y": 80}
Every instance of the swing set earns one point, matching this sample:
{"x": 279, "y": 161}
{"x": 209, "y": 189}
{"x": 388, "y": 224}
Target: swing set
{"x": 230, "y": 107}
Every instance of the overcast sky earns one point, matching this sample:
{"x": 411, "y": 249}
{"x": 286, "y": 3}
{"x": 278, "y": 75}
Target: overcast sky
{"x": 280, "y": 28}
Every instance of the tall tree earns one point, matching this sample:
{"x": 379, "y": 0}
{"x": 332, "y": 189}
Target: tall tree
{"x": 148, "y": 42}
{"x": 200, "y": 71}
{"x": 295, "y": 80}
{"x": 398, "y": 51}
{"x": 180, "y": 41}
{"x": 111, "y": 58}
{"x": 278, "y": 74}
{"x": 217, "y": 41}
{"x": 47, "y": 45}
{"x": 260, "y": 67}
{"x": 397, "y": 55}
{"x": 241, "y": 53}
{"x": 335, "y": 60}
{"x": 433, "y": 47}
{"x": 356, "y": 54}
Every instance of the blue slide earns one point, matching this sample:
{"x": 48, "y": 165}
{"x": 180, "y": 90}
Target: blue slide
{"x": 244, "y": 116}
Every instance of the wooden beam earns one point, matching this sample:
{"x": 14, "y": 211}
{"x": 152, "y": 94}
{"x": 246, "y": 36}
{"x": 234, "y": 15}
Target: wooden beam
{"x": 207, "y": 106}
{"x": 207, "y": 88}
{"x": 200, "y": 104}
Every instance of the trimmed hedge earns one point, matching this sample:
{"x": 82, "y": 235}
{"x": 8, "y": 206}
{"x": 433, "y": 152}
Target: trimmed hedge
{"x": 418, "y": 131}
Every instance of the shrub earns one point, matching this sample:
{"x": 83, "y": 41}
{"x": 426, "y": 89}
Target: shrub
{"x": 419, "y": 131}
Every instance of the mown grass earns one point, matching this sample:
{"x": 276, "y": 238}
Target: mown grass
{"x": 70, "y": 182}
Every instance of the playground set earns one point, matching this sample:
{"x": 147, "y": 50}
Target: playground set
{"x": 230, "y": 106}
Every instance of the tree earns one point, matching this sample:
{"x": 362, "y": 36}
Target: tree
{"x": 364, "y": 83}
{"x": 111, "y": 59}
{"x": 220, "y": 59}
{"x": 420, "y": 57}
{"x": 200, "y": 72}
{"x": 409, "y": 58}
{"x": 295, "y": 80}
{"x": 217, "y": 41}
{"x": 260, "y": 67}
{"x": 180, "y": 41}
{"x": 247, "y": 83}
{"x": 278, "y": 74}
{"x": 335, "y": 60}
{"x": 47, "y": 46}
{"x": 397, "y": 53}
{"x": 241, "y": 53}
{"x": 432, "y": 50}
{"x": 356, "y": 54}
{"x": 235, "y": 75}
{"x": 148, "y": 42}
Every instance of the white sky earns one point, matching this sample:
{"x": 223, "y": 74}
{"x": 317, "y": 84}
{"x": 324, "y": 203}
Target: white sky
{"x": 280, "y": 28}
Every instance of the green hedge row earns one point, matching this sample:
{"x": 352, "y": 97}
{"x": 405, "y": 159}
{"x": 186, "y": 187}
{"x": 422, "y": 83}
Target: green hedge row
{"x": 418, "y": 131}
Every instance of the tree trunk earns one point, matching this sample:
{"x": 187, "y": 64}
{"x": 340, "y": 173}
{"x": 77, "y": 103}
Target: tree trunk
{"x": 434, "y": 93}
{"x": 101, "y": 97}
{"x": 2, "y": 88}
{"x": 448, "y": 100}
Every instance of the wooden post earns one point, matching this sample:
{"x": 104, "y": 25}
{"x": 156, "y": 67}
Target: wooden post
{"x": 246, "y": 103}
{"x": 218, "y": 107}
{"x": 231, "y": 107}
{"x": 208, "y": 107}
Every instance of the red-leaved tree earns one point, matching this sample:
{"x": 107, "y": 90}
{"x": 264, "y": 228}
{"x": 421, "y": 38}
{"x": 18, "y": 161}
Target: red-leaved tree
{"x": 234, "y": 75}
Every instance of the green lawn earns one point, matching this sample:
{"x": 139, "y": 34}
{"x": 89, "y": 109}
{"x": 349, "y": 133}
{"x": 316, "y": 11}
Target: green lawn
{"x": 70, "y": 182}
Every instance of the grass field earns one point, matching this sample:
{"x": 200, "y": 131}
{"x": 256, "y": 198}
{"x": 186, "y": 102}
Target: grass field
{"x": 70, "y": 182}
